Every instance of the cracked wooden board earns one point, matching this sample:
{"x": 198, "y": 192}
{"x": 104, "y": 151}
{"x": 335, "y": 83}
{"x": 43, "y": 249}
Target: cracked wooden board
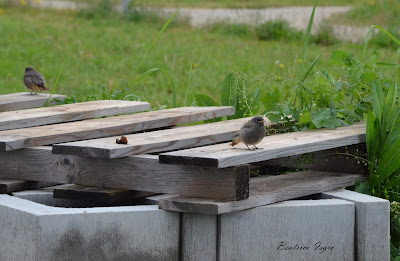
{"x": 96, "y": 128}
{"x": 139, "y": 172}
{"x": 271, "y": 147}
{"x": 22, "y": 100}
{"x": 265, "y": 191}
{"x": 68, "y": 112}
{"x": 156, "y": 141}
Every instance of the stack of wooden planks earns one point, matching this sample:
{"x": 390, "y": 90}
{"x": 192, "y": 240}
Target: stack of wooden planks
{"x": 194, "y": 163}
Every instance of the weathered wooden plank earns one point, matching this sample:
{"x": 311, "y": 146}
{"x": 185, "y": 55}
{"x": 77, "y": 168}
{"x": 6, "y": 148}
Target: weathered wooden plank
{"x": 96, "y": 128}
{"x": 13, "y": 185}
{"x": 22, "y": 100}
{"x": 99, "y": 194}
{"x": 343, "y": 159}
{"x": 265, "y": 191}
{"x": 68, "y": 112}
{"x": 157, "y": 141}
{"x": 141, "y": 173}
{"x": 271, "y": 147}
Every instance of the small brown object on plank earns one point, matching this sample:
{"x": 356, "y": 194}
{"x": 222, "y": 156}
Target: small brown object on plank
{"x": 122, "y": 140}
{"x": 265, "y": 191}
{"x": 98, "y": 194}
{"x": 22, "y": 100}
{"x": 14, "y": 185}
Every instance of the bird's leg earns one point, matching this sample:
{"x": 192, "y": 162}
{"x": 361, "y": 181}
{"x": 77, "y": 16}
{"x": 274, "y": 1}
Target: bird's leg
{"x": 31, "y": 92}
{"x": 255, "y": 147}
{"x": 247, "y": 146}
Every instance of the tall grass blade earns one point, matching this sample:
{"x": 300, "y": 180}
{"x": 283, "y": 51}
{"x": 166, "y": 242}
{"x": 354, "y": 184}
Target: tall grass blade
{"x": 369, "y": 34}
{"x": 166, "y": 74}
{"x": 377, "y": 100}
{"x": 54, "y": 87}
{"x": 155, "y": 41}
{"x": 229, "y": 96}
{"x": 311, "y": 67}
{"x": 188, "y": 85}
{"x": 308, "y": 34}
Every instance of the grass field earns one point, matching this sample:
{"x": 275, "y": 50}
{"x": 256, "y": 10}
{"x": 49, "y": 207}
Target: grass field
{"x": 233, "y": 3}
{"x": 89, "y": 53}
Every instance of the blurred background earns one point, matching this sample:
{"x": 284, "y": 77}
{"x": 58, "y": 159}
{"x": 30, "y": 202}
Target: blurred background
{"x": 89, "y": 49}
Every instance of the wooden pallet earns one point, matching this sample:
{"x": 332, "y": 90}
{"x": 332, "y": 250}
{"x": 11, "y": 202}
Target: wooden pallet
{"x": 98, "y": 128}
{"x": 194, "y": 162}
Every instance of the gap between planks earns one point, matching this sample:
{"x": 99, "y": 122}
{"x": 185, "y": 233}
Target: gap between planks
{"x": 265, "y": 191}
{"x": 271, "y": 147}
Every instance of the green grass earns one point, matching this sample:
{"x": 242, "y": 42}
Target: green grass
{"x": 232, "y": 3}
{"x": 92, "y": 53}
{"x": 380, "y": 12}
{"x": 96, "y": 52}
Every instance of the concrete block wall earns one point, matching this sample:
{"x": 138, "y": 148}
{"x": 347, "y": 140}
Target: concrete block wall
{"x": 339, "y": 225}
{"x": 32, "y": 231}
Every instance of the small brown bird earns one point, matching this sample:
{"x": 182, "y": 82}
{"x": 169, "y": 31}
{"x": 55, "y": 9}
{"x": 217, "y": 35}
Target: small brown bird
{"x": 251, "y": 133}
{"x": 34, "y": 80}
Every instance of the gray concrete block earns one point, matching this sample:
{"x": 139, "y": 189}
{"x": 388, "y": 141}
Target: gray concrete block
{"x": 199, "y": 237}
{"x": 284, "y": 231}
{"x": 372, "y": 224}
{"x": 290, "y": 231}
{"x": 32, "y": 231}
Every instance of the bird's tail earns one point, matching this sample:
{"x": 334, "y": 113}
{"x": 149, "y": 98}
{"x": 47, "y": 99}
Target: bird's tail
{"x": 235, "y": 141}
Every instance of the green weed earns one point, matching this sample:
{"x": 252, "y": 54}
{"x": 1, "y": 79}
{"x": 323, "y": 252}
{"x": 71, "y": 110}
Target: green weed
{"x": 277, "y": 30}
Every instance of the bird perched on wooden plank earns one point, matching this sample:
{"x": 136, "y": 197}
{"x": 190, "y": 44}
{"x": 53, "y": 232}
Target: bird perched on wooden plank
{"x": 251, "y": 133}
{"x": 34, "y": 80}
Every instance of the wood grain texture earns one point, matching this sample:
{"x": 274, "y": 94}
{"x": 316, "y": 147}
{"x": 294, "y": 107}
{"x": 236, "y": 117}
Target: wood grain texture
{"x": 271, "y": 147}
{"x": 96, "y": 128}
{"x": 22, "y": 100}
{"x": 156, "y": 141}
{"x": 68, "y": 112}
{"x": 343, "y": 159}
{"x": 141, "y": 173}
{"x": 98, "y": 194}
{"x": 265, "y": 191}
{"x": 13, "y": 185}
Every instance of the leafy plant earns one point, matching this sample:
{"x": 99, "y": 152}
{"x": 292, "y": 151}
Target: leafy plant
{"x": 277, "y": 30}
{"x": 235, "y": 93}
